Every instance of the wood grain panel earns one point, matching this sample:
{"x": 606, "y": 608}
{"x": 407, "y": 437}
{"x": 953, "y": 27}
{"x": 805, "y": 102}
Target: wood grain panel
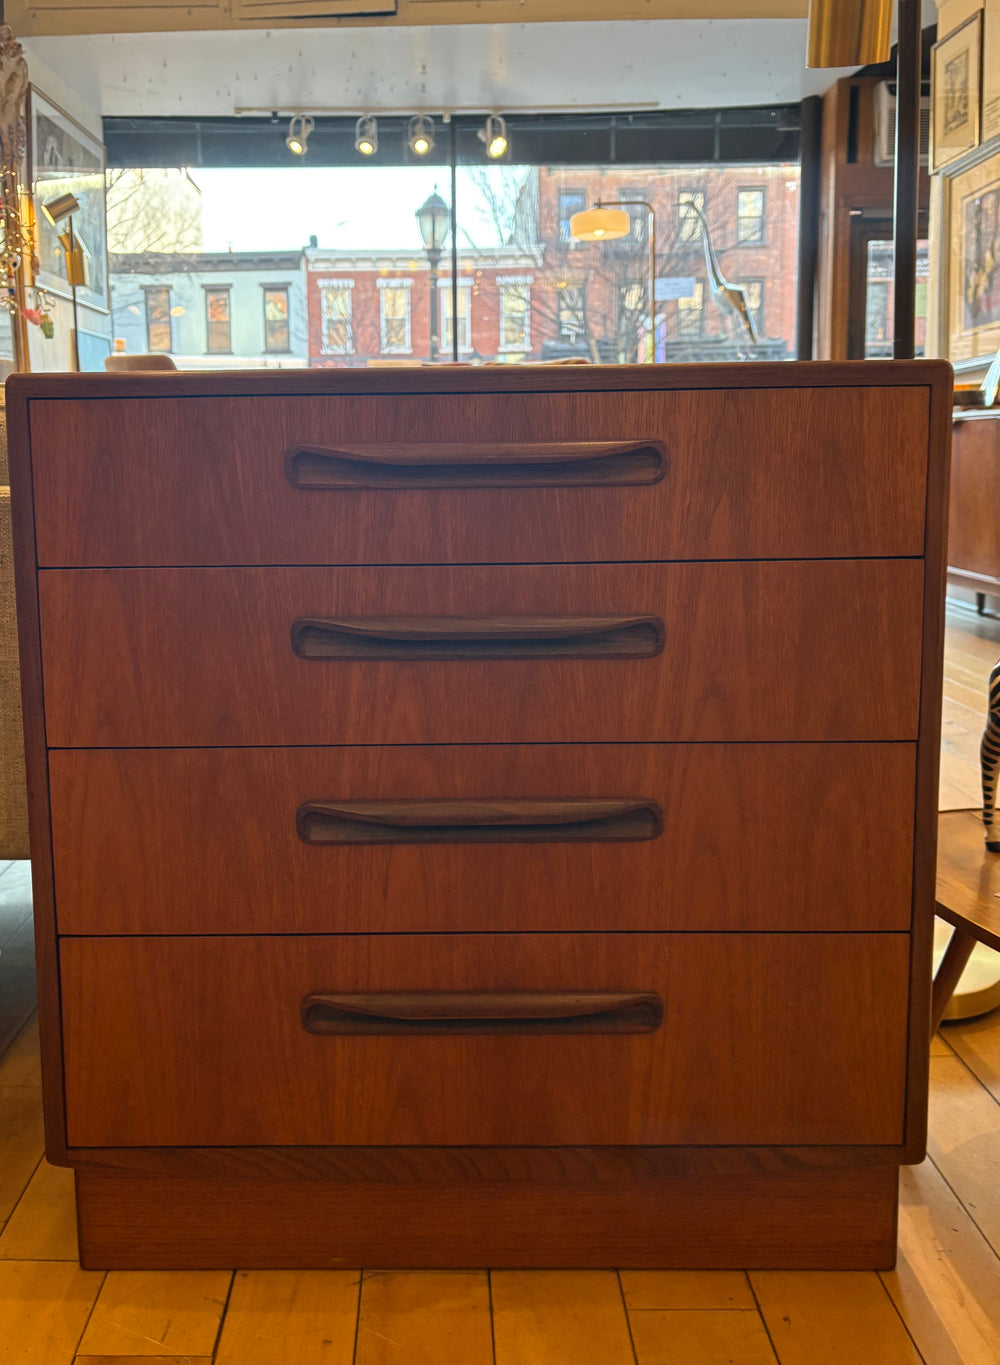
{"x": 781, "y": 472}
{"x": 424, "y": 1318}
{"x": 155, "y": 1315}
{"x": 973, "y": 518}
{"x": 198, "y": 1042}
{"x": 203, "y": 656}
{"x": 839, "y": 1218}
{"x": 735, "y": 821}
{"x": 825, "y": 1319}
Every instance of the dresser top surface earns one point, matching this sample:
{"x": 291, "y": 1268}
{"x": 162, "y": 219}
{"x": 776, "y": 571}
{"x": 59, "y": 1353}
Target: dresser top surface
{"x": 445, "y": 379}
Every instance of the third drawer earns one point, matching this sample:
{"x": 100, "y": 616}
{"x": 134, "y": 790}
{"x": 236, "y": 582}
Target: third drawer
{"x": 482, "y": 654}
{"x": 503, "y": 1038}
{"x": 506, "y": 837}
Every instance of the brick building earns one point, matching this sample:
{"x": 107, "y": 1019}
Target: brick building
{"x": 543, "y": 295}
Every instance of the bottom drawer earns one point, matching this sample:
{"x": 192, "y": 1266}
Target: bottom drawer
{"x": 525, "y": 1039}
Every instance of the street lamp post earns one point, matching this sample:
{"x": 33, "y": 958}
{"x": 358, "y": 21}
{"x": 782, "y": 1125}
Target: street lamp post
{"x": 433, "y": 218}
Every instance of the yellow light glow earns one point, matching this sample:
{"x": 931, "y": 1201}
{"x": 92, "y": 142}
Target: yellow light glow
{"x": 366, "y": 148}
{"x": 421, "y": 146}
{"x": 497, "y": 147}
{"x": 295, "y": 146}
{"x": 599, "y": 225}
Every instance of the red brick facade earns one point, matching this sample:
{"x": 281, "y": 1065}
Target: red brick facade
{"x": 546, "y": 295}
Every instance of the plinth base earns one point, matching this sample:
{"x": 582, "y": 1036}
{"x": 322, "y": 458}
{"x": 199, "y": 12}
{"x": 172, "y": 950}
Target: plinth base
{"x": 836, "y": 1219}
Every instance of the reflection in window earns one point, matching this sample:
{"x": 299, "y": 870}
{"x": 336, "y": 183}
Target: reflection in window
{"x": 688, "y": 223}
{"x": 158, "y": 332}
{"x": 515, "y": 320}
{"x": 750, "y": 216}
{"x": 276, "y": 336}
{"x": 338, "y": 332}
{"x": 218, "y": 326}
{"x": 394, "y": 315}
{"x": 691, "y": 312}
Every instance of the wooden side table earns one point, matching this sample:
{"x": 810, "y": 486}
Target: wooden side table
{"x": 968, "y": 897}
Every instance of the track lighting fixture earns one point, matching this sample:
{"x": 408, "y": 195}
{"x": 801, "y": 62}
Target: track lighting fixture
{"x": 493, "y": 136}
{"x": 420, "y": 135}
{"x": 299, "y": 128}
{"x": 366, "y": 135}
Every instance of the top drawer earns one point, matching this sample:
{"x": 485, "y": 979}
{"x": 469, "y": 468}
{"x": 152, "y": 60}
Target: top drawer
{"x": 480, "y": 478}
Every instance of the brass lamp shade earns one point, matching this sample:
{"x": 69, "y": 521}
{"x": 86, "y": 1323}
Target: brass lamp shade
{"x": 849, "y": 32}
{"x": 58, "y": 209}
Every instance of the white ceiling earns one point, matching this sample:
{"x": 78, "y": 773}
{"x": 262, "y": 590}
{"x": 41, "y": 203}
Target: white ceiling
{"x": 670, "y": 64}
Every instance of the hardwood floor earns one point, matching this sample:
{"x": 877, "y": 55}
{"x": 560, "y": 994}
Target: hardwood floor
{"x": 940, "y": 1306}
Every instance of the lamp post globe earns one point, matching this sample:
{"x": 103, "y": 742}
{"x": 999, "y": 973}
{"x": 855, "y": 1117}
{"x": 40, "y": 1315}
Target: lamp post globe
{"x": 434, "y": 220}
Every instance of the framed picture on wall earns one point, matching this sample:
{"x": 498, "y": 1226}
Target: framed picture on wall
{"x": 972, "y": 292}
{"x": 956, "y": 70}
{"x": 63, "y": 158}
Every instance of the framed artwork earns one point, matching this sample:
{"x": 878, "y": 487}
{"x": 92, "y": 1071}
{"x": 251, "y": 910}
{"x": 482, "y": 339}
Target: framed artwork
{"x": 63, "y": 158}
{"x": 973, "y": 272}
{"x": 956, "y": 69}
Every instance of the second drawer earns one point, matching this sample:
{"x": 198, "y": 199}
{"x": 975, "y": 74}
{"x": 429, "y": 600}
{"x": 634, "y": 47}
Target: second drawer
{"x": 480, "y": 654}
{"x": 505, "y": 837}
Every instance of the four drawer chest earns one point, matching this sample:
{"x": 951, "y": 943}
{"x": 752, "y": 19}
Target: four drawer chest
{"x": 484, "y": 817}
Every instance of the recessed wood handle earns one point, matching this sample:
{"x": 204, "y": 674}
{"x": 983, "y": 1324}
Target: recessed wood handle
{"x": 473, "y": 637}
{"x": 478, "y": 822}
{"x": 475, "y": 465}
{"x": 483, "y": 1012}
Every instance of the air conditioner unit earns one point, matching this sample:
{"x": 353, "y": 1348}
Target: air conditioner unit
{"x": 885, "y": 123}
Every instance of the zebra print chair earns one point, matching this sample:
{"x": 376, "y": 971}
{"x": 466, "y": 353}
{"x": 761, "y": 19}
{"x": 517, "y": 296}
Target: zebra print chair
{"x": 968, "y": 875}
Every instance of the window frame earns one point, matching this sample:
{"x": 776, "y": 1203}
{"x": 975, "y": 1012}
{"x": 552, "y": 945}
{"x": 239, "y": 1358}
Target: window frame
{"x": 562, "y": 221}
{"x": 699, "y": 294}
{"x": 761, "y": 218}
{"x": 285, "y": 289}
{"x": 522, "y": 282}
{"x": 464, "y": 316}
{"x": 580, "y": 287}
{"x": 345, "y": 287}
{"x": 403, "y": 286}
{"x": 149, "y": 290}
{"x": 698, "y": 199}
{"x": 227, "y": 291}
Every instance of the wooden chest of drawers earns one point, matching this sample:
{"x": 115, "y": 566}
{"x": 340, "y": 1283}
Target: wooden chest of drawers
{"x": 484, "y": 817}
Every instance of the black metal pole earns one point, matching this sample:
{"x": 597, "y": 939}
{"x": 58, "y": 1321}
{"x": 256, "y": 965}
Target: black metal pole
{"x": 454, "y": 242}
{"x": 905, "y": 187}
{"x": 809, "y": 186}
{"x": 433, "y": 257}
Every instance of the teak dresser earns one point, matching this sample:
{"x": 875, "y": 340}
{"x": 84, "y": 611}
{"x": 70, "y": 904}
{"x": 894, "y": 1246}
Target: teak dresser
{"x": 484, "y": 817}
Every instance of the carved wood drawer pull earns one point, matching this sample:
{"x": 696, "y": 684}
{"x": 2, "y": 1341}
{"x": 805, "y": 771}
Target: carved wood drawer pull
{"x": 476, "y": 465}
{"x": 484, "y": 1012}
{"x": 478, "y": 822}
{"x": 471, "y": 637}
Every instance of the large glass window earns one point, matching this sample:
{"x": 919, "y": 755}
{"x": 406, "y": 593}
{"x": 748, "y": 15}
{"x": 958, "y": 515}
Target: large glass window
{"x": 218, "y": 324}
{"x": 276, "y": 335}
{"x": 569, "y": 202}
{"x": 337, "y": 311}
{"x": 158, "y": 330}
{"x": 571, "y": 310}
{"x": 395, "y": 315}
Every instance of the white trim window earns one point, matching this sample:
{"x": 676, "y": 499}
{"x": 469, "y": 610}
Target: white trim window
{"x": 337, "y": 310}
{"x": 464, "y": 315}
{"x": 515, "y": 312}
{"x": 394, "y": 316}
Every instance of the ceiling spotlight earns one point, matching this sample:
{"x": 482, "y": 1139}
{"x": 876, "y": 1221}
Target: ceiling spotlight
{"x": 366, "y": 135}
{"x": 420, "y": 135}
{"x": 494, "y": 136}
{"x": 299, "y": 128}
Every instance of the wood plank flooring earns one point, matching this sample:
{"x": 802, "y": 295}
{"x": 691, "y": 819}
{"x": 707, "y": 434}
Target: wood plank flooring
{"x": 940, "y": 1306}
